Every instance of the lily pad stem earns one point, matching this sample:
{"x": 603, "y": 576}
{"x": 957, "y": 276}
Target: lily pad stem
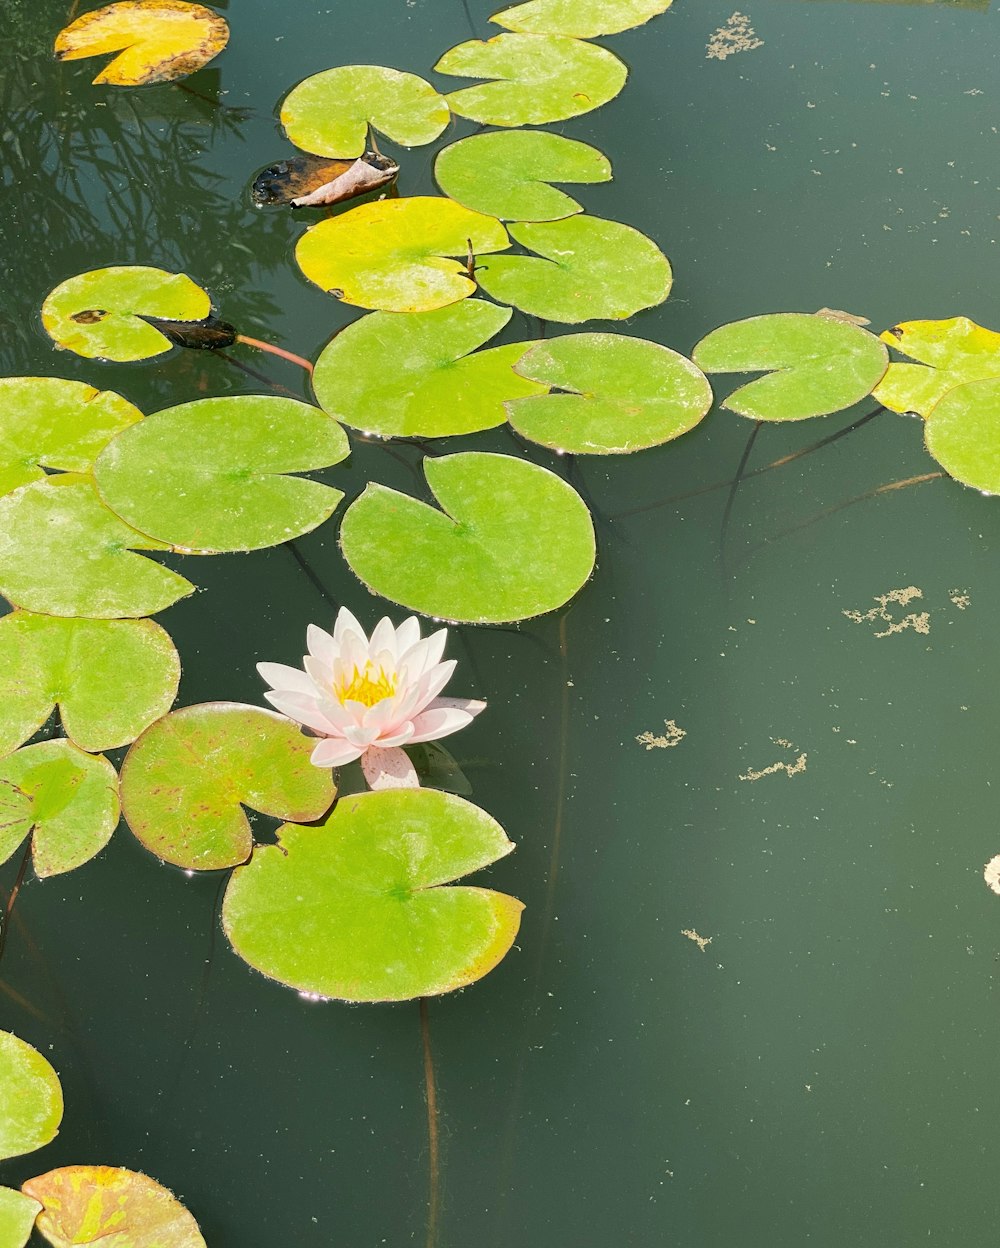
{"x": 433, "y": 1145}
{"x": 731, "y": 498}
{"x": 273, "y": 350}
{"x": 9, "y": 908}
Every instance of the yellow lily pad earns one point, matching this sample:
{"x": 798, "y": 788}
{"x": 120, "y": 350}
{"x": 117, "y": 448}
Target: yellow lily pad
{"x": 950, "y": 353}
{"x": 585, "y": 19}
{"x": 31, "y": 1101}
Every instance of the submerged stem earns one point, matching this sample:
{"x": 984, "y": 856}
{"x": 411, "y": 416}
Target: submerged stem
{"x": 734, "y": 486}
{"x": 433, "y": 1147}
{"x": 11, "y": 900}
{"x": 273, "y": 350}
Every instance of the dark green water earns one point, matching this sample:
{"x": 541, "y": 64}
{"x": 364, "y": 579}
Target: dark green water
{"x": 824, "y": 1072}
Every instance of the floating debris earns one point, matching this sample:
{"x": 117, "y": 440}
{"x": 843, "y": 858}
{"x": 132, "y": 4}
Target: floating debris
{"x": 736, "y": 36}
{"x": 702, "y": 941}
{"x": 673, "y": 736}
{"x": 790, "y": 769}
{"x": 960, "y": 597}
{"x": 919, "y": 622}
{"x": 991, "y": 874}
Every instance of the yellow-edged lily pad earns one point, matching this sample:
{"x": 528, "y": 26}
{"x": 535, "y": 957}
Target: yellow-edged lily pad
{"x": 17, "y": 1217}
{"x": 31, "y": 1100}
{"x": 950, "y": 353}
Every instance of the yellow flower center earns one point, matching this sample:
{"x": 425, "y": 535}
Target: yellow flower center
{"x": 368, "y": 686}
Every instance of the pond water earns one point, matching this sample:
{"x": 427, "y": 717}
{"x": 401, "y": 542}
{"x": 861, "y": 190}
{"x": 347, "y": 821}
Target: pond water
{"x": 821, "y": 1072}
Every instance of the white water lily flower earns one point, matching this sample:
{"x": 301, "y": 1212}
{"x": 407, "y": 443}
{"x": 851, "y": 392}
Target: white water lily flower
{"x": 366, "y": 698}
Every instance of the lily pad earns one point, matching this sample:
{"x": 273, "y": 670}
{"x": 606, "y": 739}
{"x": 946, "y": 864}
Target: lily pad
{"x": 107, "y": 1206}
{"x": 159, "y": 40}
{"x": 585, "y": 19}
{"x": 413, "y": 374}
{"x": 950, "y": 353}
{"x": 62, "y": 552}
{"x": 208, "y": 476}
{"x": 109, "y": 678}
{"x": 185, "y": 782}
{"x": 536, "y": 79}
{"x": 17, "y": 1217}
{"x": 329, "y": 113}
{"x": 508, "y": 174}
{"x": 99, "y": 314}
{"x": 963, "y": 434}
{"x": 72, "y": 805}
{"x": 51, "y": 423}
{"x": 513, "y": 541}
{"x": 355, "y": 909}
{"x": 617, "y": 394}
{"x": 822, "y": 365}
{"x": 393, "y": 254}
{"x": 591, "y": 269}
{"x": 31, "y": 1101}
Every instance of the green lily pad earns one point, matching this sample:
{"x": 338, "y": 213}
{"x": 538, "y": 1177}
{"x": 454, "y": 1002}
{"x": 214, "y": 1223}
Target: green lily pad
{"x": 592, "y": 269}
{"x": 208, "y": 476}
{"x": 950, "y": 353}
{"x": 393, "y": 254}
{"x": 355, "y": 909}
{"x": 109, "y": 678}
{"x": 17, "y": 1217}
{"x": 99, "y": 314}
{"x": 184, "y": 783}
{"x": 329, "y": 113}
{"x": 963, "y": 434}
{"x": 72, "y": 805}
{"x": 112, "y": 1208}
{"x": 618, "y": 394}
{"x": 822, "y": 365}
{"x": 62, "y": 552}
{"x": 508, "y": 174}
{"x": 413, "y": 374}
{"x": 46, "y": 421}
{"x": 31, "y": 1101}
{"x": 536, "y": 79}
{"x": 585, "y": 19}
{"x": 513, "y": 541}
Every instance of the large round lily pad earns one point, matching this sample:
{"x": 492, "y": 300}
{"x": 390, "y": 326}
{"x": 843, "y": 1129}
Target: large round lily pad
{"x": 158, "y": 40}
{"x": 536, "y": 79}
{"x": 330, "y": 113}
{"x": 109, "y": 678}
{"x": 62, "y": 552}
{"x": 17, "y": 1217}
{"x": 963, "y": 434}
{"x": 591, "y": 269}
{"x": 208, "y": 476}
{"x": 821, "y": 365}
{"x": 71, "y": 806}
{"x": 355, "y": 909}
{"x": 46, "y": 421}
{"x": 950, "y": 353}
{"x": 512, "y": 541}
{"x": 184, "y": 783}
{"x": 418, "y": 374}
{"x": 586, "y": 19}
{"x": 99, "y": 314}
{"x": 84, "y": 1206}
{"x": 394, "y": 254}
{"x": 31, "y": 1101}
{"x": 617, "y": 394}
{"x": 508, "y": 173}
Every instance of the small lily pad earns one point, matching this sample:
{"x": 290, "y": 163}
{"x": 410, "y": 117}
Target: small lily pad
{"x": 963, "y": 434}
{"x": 536, "y": 79}
{"x": 62, "y": 552}
{"x": 209, "y": 476}
{"x": 184, "y": 783}
{"x": 51, "y": 423}
{"x": 394, "y": 254}
{"x": 72, "y": 806}
{"x": 84, "y": 1206}
{"x": 821, "y": 365}
{"x": 414, "y": 374}
{"x": 99, "y": 314}
{"x": 77, "y": 665}
{"x": 618, "y": 394}
{"x": 329, "y": 113}
{"x": 950, "y": 352}
{"x": 513, "y": 541}
{"x": 507, "y": 174}
{"x": 585, "y": 19}
{"x": 356, "y": 910}
{"x": 31, "y": 1101}
{"x": 591, "y": 269}
{"x": 159, "y": 40}
{"x": 17, "y": 1217}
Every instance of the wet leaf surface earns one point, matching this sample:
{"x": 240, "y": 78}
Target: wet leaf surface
{"x": 512, "y": 541}
{"x": 419, "y": 374}
{"x": 356, "y": 910}
{"x": 950, "y": 353}
{"x": 313, "y": 181}
{"x": 585, "y": 19}
{"x": 31, "y": 1101}
{"x": 963, "y": 434}
{"x": 184, "y": 783}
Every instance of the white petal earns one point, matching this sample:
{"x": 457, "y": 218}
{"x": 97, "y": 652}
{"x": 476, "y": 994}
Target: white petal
{"x": 359, "y": 735}
{"x": 383, "y": 638}
{"x": 471, "y": 706}
{"x": 388, "y": 769}
{"x": 398, "y": 736}
{"x": 320, "y": 644}
{"x": 319, "y": 673}
{"x": 303, "y": 710}
{"x": 346, "y": 623}
{"x": 407, "y": 635}
{"x": 424, "y": 655}
{"x": 433, "y": 681}
{"x": 439, "y": 722}
{"x": 287, "y": 679}
{"x": 334, "y": 752}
